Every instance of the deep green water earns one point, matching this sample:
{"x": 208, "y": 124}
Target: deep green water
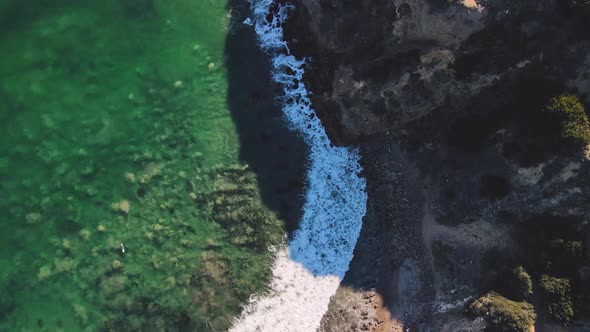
{"x": 115, "y": 129}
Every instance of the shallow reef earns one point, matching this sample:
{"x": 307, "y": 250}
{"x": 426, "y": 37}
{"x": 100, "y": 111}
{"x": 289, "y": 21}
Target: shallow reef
{"x": 125, "y": 205}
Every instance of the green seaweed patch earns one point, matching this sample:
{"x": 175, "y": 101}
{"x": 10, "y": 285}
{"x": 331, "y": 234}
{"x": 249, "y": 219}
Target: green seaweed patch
{"x": 126, "y": 142}
{"x": 236, "y": 205}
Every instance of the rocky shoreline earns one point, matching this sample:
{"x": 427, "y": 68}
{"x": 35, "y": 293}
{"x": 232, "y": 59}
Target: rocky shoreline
{"x": 390, "y": 282}
{"x": 441, "y": 97}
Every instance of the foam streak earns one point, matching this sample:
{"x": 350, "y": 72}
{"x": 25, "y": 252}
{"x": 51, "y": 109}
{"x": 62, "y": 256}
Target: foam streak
{"x": 307, "y": 272}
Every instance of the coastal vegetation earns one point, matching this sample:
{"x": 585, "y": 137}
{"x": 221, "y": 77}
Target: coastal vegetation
{"x": 557, "y": 299}
{"x": 503, "y": 314}
{"x": 569, "y": 119}
{"x": 551, "y": 275}
{"x": 550, "y": 266}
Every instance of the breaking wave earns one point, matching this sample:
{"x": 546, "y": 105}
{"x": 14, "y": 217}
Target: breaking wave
{"x": 307, "y": 272}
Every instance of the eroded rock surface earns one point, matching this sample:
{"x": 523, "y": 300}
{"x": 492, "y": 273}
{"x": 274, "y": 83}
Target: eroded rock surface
{"x": 380, "y": 64}
{"x": 443, "y": 98}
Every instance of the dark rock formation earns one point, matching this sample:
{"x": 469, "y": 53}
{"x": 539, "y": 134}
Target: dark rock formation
{"x": 459, "y": 87}
{"x": 378, "y": 65}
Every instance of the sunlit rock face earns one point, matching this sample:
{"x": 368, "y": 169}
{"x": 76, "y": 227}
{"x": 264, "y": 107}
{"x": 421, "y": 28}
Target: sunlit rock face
{"x": 380, "y": 64}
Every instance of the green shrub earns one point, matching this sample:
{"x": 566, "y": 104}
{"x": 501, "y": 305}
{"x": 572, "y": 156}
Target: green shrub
{"x": 503, "y": 314}
{"x": 521, "y": 285}
{"x": 557, "y": 298}
{"x": 570, "y": 119}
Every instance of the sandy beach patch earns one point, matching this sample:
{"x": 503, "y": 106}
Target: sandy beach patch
{"x": 472, "y": 4}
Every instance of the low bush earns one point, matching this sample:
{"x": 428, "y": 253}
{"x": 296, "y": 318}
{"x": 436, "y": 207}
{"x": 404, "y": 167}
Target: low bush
{"x": 521, "y": 284}
{"x": 570, "y": 119}
{"x": 557, "y": 299}
{"x": 502, "y": 314}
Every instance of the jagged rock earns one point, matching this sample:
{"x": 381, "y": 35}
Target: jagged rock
{"x": 440, "y": 96}
{"x": 380, "y": 64}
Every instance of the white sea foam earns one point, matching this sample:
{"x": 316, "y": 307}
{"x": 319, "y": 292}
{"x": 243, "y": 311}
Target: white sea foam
{"x": 307, "y": 272}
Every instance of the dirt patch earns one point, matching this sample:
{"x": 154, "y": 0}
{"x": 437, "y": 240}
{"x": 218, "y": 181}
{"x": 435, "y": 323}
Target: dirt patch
{"x": 472, "y": 4}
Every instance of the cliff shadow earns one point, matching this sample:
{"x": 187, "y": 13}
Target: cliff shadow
{"x": 390, "y": 275}
{"x": 275, "y": 153}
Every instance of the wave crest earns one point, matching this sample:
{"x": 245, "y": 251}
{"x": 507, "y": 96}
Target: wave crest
{"x": 307, "y": 272}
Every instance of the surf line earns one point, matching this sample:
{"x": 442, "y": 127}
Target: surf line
{"x": 307, "y": 272}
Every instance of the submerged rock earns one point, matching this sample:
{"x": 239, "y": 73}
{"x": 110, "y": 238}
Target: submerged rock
{"x": 122, "y": 206}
